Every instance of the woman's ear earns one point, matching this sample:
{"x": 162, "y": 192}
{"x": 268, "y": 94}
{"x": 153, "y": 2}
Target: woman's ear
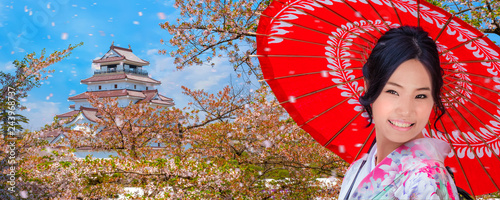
{"x": 365, "y": 83}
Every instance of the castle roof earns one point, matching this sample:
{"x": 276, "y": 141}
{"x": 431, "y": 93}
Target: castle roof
{"x": 90, "y": 113}
{"x": 120, "y": 76}
{"x": 150, "y": 96}
{"x": 120, "y": 54}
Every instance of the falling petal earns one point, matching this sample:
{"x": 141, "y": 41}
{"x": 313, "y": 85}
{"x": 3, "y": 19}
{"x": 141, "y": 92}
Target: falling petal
{"x": 267, "y": 143}
{"x": 267, "y": 49}
{"x": 341, "y": 148}
{"x": 358, "y": 14}
{"x": 140, "y": 13}
{"x": 53, "y": 24}
{"x": 292, "y": 99}
{"x": 136, "y": 22}
{"x": 358, "y": 145}
{"x": 161, "y": 15}
{"x": 64, "y": 36}
{"x": 23, "y": 194}
{"x": 324, "y": 73}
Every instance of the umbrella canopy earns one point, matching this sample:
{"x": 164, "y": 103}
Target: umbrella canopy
{"x": 312, "y": 51}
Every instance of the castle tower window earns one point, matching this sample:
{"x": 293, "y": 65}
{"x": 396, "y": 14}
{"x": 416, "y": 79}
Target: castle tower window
{"x": 146, "y": 88}
{"x": 116, "y": 86}
{"x": 100, "y": 87}
{"x": 135, "y": 86}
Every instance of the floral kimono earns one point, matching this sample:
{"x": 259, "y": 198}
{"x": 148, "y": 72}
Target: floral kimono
{"x": 414, "y": 170}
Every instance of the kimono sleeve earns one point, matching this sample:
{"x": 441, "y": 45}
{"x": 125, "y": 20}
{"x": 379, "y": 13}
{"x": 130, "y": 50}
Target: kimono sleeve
{"x": 427, "y": 183}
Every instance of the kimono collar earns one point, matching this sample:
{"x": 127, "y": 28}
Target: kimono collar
{"x": 422, "y": 149}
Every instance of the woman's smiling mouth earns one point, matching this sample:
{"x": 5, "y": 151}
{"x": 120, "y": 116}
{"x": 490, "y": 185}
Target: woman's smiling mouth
{"x": 401, "y": 124}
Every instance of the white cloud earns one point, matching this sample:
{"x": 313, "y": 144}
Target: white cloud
{"x": 8, "y": 67}
{"x": 210, "y": 79}
{"x": 40, "y": 113}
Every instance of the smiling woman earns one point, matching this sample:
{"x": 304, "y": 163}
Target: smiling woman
{"x": 404, "y": 79}
{"x": 402, "y": 110}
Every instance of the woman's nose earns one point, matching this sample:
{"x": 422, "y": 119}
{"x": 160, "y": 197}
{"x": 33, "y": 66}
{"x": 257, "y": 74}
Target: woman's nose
{"x": 405, "y": 106}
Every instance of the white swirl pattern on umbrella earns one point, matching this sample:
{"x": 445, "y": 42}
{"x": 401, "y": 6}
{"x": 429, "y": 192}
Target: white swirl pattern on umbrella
{"x": 336, "y": 64}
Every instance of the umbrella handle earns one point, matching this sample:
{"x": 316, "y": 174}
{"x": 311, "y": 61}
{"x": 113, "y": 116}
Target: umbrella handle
{"x": 354, "y": 180}
{"x": 462, "y": 194}
{"x": 361, "y": 167}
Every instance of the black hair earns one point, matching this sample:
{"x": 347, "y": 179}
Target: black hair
{"x": 392, "y": 49}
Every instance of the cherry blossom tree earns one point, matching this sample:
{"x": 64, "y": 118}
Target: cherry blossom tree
{"x": 29, "y": 73}
{"x": 482, "y": 14}
{"x": 245, "y": 146}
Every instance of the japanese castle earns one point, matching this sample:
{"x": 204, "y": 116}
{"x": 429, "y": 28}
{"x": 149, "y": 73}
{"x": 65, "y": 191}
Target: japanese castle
{"x": 120, "y": 74}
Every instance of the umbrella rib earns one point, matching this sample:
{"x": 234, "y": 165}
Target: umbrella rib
{"x": 474, "y": 152}
{"x": 444, "y": 27}
{"x": 327, "y": 88}
{"x": 310, "y": 29}
{"x": 470, "y": 61}
{"x": 477, "y": 85}
{"x": 307, "y": 56}
{"x": 380, "y": 16}
{"x": 418, "y": 13}
{"x": 472, "y": 74}
{"x": 470, "y": 126}
{"x": 327, "y": 110}
{"x": 364, "y": 143}
{"x": 456, "y": 157}
{"x": 315, "y": 43}
{"x": 480, "y": 96}
{"x": 462, "y": 44}
{"x": 429, "y": 127}
{"x": 310, "y": 73}
{"x": 340, "y": 131}
{"x": 352, "y": 8}
{"x": 300, "y": 10}
{"x": 397, "y": 14}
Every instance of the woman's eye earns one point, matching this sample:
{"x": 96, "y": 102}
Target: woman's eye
{"x": 421, "y": 96}
{"x": 392, "y": 92}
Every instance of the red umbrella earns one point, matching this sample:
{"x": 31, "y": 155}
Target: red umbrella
{"x": 312, "y": 52}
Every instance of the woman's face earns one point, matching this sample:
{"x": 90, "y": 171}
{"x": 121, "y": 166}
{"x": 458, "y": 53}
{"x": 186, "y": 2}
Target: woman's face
{"x": 403, "y": 108}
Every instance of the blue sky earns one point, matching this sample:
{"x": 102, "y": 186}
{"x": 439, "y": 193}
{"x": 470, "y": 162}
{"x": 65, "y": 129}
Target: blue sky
{"x": 30, "y": 26}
